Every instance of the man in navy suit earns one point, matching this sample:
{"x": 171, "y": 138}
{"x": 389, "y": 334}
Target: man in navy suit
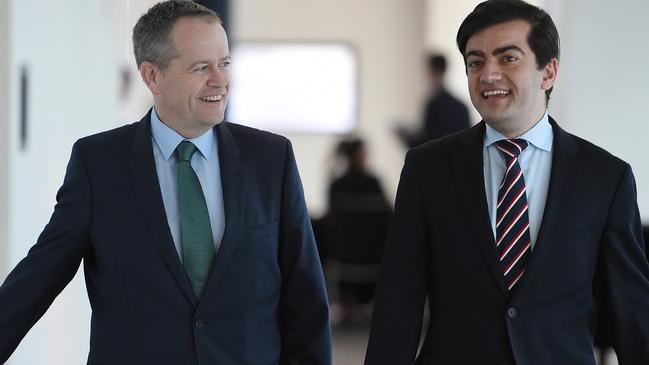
{"x": 194, "y": 235}
{"x": 517, "y": 233}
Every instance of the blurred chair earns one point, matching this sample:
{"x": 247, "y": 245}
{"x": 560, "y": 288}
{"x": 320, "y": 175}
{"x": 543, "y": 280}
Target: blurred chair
{"x": 356, "y": 228}
{"x": 358, "y": 224}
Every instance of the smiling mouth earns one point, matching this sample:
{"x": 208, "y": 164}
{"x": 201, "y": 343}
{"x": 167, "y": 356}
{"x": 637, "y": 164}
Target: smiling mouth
{"x": 495, "y": 93}
{"x": 212, "y": 98}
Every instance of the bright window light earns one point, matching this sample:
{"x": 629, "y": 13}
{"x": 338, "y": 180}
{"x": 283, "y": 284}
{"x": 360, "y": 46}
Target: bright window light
{"x": 294, "y": 87}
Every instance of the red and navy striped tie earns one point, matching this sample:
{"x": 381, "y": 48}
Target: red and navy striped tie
{"x": 512, "y": 220}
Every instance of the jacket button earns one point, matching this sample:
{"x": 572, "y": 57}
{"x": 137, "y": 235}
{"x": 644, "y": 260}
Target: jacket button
{"x": 198, "y": 323}
{"x": 512, "y": 312}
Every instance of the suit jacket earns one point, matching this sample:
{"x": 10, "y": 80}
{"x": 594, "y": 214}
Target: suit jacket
{"x": 589, "y": 255}
{"x": 444, "y": 114}
{"x": 264, "y": 301}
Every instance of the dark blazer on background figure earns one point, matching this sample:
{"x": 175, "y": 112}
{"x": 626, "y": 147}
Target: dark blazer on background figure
{"x": 443, "y": 114}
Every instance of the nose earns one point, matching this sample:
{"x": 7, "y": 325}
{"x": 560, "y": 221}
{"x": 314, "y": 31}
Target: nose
{"x": 491, "y": 73}
{"x": 218, "y": 77}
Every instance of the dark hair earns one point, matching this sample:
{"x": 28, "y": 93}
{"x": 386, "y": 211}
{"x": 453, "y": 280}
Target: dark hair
{"x": 151, "y": 34}
{"x": 543, "y": 39}
{"x": 437, "y": 63}
{"x": 348, "y": 149}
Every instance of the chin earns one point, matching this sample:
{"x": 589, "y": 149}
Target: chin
{"x": 494, "y": 115}
{"x": 492, "y": 118}
{"x": 212, "y": 120}
{"x": 212, "y": 123}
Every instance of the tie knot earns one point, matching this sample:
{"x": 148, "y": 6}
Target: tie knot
{"x": 185, "y": 150}
{"x": 511, "y": 148}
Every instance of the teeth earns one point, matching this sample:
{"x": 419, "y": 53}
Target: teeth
{"x": 212, "y": 98}
{"x": 495, "y": 92}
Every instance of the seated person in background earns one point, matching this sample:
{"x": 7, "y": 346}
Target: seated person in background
{"x": 358, "y": 218}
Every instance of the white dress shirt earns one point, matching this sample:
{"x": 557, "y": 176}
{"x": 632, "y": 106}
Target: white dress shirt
{"x": 536, "y": 163}
{"x": 205, "y": 163}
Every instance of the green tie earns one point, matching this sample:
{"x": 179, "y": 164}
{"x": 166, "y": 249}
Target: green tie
{"x": 196, "y": 231}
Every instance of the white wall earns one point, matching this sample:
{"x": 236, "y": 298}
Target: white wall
{"x": 4, "y": 133}
{"x": 602, "y": 93}
{"x": 389, "y": 37}
{"x": 70, "y": 51}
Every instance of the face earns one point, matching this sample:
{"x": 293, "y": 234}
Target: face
{"x": 192, "y": 92}
{"x": 436, "y": 80}
{"x": 505, "y": 84}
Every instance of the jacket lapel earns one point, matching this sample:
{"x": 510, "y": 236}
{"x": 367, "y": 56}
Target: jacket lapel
{"x": 562, "y": 180}
{"x": 147, "y": 190}
{"x": 232, "y": 182}
{"x": 469, "y": 178}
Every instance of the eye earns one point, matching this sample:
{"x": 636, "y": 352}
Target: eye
{"x": 510, "y": 59}
{"x": 201, "y": 68}
{"x": 474, "y": 64}
{"x": 225, "y": 64}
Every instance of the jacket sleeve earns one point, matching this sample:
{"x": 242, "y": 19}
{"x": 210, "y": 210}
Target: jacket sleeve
{"x": 304, "y": 311}
{"x": 51, "y": 263}
{"x": 624, "y": 276}
{"x": 403, "y": 280}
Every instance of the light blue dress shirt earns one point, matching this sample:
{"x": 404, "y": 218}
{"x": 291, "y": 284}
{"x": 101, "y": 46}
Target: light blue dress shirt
{"x": 536, "y": 163}
{"x": 206, "y": 164}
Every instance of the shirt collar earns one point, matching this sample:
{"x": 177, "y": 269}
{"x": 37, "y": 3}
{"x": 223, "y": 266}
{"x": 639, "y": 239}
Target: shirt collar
{"x": 168, "y": 139}
{"x": 540, "y": 135}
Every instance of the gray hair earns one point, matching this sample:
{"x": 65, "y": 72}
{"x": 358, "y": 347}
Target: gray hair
{"x": 151, "y": 35}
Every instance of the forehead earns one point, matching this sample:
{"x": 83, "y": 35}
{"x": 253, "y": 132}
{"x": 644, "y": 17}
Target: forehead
{"x": 500, "y": 35}
{"x": 198, "y": 37}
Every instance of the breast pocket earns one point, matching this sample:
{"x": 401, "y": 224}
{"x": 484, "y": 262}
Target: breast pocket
{"x": 263, "y": 230}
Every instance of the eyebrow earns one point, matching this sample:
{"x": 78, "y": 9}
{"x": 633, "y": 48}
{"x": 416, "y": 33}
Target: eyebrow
{"x": 496, "y": 52}
{"x": 475, "y": 53}
{"x": 502, "y": 50}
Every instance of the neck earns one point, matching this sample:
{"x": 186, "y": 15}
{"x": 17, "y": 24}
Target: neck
{"x": 187, "y": 131}
{"x": 515, "y": 129}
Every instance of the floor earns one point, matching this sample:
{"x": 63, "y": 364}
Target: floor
{"x": 350, "y": 343}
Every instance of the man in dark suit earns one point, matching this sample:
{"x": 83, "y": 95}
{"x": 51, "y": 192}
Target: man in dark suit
{"x": 194, "y": 234}
{"x": 443, "y": 114}
{"x": 517, "y": 232}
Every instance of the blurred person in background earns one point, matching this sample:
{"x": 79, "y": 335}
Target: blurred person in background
{"x": 443, "y": 113}
{"x": 193, "y": 232}
{"x": 357, "y": 223}
{"x": 520, "y": 234}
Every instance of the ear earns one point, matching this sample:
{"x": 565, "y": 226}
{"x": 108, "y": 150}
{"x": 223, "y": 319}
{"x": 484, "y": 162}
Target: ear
{"x": 151, "y": 75}
{"x": 550, "y": 74}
